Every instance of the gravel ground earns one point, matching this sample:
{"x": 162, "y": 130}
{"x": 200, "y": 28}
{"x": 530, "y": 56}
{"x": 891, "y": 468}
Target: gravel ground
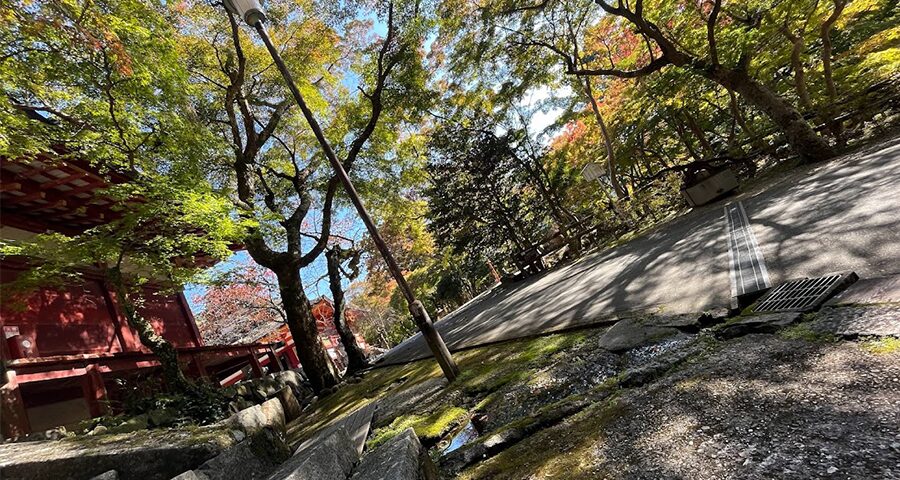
{"x": 760, "y": 407}
{"x": 575, "y": 372}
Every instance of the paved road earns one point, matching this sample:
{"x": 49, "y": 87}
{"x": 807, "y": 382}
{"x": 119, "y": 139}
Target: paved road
{"x": 843, "y": 215}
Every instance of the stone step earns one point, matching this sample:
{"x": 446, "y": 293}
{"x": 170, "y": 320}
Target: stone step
{"x": 330, "y": 458}
{"x": 400, "y": 458}
{"x": 142, "y": 455}
{"x": 254, "y": 458}
{"x": 355, "y": 424}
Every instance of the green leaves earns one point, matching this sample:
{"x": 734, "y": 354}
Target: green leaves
{"x": 165, "y": 233}
{"x": 102, "y": 78}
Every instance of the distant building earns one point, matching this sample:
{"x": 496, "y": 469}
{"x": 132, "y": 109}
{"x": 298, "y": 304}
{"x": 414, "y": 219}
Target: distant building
{"x": 323, "y": 311}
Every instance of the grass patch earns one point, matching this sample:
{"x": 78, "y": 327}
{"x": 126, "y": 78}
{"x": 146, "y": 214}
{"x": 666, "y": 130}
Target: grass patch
{"x": 882, "y": 346}
{"x": 488, "y": 369}
{"x": 561, "y": 451}
{"x": 375, "y": 384}
{"x": 487, "y": 373}
{"x": 802, "y": 331}
{"x": 429, "y": 428}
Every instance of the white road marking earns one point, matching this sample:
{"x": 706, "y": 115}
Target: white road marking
{"x": 748, "y": 271}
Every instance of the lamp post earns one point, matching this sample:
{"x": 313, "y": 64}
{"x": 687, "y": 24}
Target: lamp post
{"x": 252, "y": 12}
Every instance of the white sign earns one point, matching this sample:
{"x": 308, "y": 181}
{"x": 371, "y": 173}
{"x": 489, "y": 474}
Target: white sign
{"x": 593, "y": 170}
{"x": 10, "y": 331}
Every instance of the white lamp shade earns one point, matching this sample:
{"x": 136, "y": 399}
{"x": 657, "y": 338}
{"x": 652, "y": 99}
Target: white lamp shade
{"x": 250, "y": 10}
{"x": 593, "y": 171}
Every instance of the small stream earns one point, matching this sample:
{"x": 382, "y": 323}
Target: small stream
{"x": 461, "y": 437}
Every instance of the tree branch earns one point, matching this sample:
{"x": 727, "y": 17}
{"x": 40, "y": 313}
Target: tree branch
{"x": 711, "y": 31}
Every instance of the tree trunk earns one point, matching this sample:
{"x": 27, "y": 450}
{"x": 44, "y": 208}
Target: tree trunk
{"x": 739, "y": 117}
{"x": 164, "y": 351}
{"x": 682, "y": 135}
{"x": 834, "y": 127}
{"x": 699, "y": 134}
{"x": 314, "y": 359}
{"x": 607, "y": 141}
{"x": 799, "y": 72}
{"x": 797, "y": 131}
{"x": 356, "y": 358}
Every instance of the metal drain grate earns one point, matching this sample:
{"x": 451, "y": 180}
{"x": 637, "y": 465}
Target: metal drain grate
{"x": 804, "y": 294}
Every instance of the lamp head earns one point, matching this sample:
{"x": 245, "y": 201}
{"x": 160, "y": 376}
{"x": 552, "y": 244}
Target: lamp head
{"x": 250, "y": 10}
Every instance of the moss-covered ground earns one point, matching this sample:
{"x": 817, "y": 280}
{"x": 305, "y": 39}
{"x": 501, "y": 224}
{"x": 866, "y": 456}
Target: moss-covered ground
{"x": 438, "y": 409}
{"x": 561, "y": 407}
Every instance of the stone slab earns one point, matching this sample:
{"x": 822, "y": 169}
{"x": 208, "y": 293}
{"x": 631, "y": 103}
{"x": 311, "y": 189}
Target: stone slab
{"x": 874, "y": 320}
{"x": 255, "y": 457}
{"x": 356, "y": 424}
{"x": 145, "y": 455}
{"x": 766, "y": 323}
{"x": 630, "y": 333}
{"x": 400, "y": 458}
{"x": 331, "y": 458}
{"x": 869, "y": 291}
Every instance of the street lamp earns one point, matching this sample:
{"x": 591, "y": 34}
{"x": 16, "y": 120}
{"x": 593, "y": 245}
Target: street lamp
{"x": 249, "y": 10}
{"x": 252, "y": 12}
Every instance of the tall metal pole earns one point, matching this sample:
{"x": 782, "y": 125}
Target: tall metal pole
{"x": 419, "y": 314}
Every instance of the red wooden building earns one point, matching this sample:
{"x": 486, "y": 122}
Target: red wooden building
{"x": 63, "y": 352}
{"x": 323, "y": 311}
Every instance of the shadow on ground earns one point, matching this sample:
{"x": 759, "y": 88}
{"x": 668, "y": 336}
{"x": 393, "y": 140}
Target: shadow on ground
{"x": 760, "y": 406}
{"x": 818, "y": 219}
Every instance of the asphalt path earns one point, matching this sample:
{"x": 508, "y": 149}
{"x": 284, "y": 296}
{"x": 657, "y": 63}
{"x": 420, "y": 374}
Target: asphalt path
{"x": 838, "y": 216}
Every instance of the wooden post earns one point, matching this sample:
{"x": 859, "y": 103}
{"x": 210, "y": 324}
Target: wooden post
{"x": 128, "y": 340}
{"x": 254, "y": 364}
{"x": 14, "y": 417}
{"x": 94, "y": 391}
{"x": 197, "y": 367}
{"x": 293, "y": 359}
{"x": 274, "y": 361}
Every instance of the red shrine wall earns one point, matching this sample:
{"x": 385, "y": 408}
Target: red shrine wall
{"x": 83, "y": 319}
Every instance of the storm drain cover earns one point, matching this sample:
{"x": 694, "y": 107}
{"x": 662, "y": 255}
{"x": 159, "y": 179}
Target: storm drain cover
{"x": 804, "y": 294}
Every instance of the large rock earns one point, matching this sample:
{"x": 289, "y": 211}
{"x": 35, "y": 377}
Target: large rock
{"x": 253, "y": 458}
{"x": 766, "y": 323}
{"x": 142, "y": 455}
{"x": 269, "y": 414}
{"x": 631, "y": 333}
{"x": 261, "y": 389}
{"x": 191, "y": 475}
{"x": 869, "y": 320}
{"x": 273, "y": 411}
{"x": 331, "y": 458}
{"x": 400, "y": 458}
{"x": 249, "y": 420}
{"x": 109, "y": 475}
{"x": 290, "y": 404}
{"x": 293, "y": 379}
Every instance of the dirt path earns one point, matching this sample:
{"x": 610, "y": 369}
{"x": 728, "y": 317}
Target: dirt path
{"x": 759, "y": 406}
